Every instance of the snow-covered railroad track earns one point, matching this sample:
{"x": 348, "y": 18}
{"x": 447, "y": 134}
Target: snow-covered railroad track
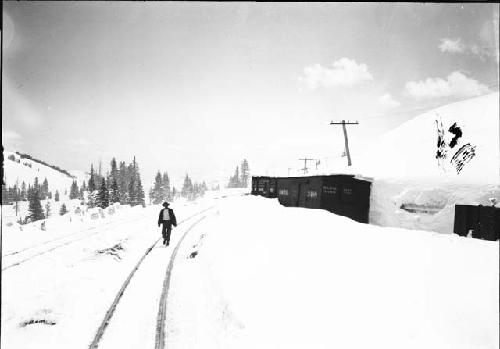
{"x": 111, "y": 310}
{"x": 7, "y": 254}
{"x": 27, "y": 254}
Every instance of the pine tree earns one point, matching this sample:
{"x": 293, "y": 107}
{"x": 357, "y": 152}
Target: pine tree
{"x": 92, "y": 199}
{"x": 83, "y": 189}
{"x": 166, "y": 195}
{"x": 47, "y": 209}
{"x": 114, "y": 195}
{"x": 56, "y": 196}
{"x": 187, "y": 188}
{"x": 92, "y": 185}
{"x": 24, "y": 196}
{"x": 132, "y": 195}
{"x": 103, "y": 195}
{"x": 35, "y": 211}
{"x": 114, "y": 171}
{"x": 157, "y": 190}
{"x": 44, "y": 189}
{"x": 245, "y": 174}
{"x": 73, "y": 191}
{"x": 63, "y": 210}
{"x": 123, "y": 183}
{"x": 140, "y": 193}
{"x": 36, "y": 185}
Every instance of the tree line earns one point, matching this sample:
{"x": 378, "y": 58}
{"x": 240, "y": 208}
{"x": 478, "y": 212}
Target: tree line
{"x": 240, "y": 177}
{"x": 161, "y": 190}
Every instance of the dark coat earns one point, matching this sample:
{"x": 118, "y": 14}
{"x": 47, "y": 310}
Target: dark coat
{"x": 172, "y": 217}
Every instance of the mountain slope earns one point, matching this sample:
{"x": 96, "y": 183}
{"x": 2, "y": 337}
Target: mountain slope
{"x": 18, "y": 168}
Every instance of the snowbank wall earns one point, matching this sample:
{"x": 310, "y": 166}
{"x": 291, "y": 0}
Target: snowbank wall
{"x": 387, "y": 197}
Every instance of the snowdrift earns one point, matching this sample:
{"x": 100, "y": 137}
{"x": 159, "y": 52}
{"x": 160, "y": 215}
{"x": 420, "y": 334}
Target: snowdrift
{"x": 408, "y": 175}
{"x": 303, "y": 278}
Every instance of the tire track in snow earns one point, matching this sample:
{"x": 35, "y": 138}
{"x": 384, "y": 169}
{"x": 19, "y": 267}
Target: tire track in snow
{"x": 162, "y": 311}
{"x": 109, "y": 313}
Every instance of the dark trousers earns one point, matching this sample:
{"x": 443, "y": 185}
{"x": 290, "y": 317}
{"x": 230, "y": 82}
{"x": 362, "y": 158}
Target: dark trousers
{"x": 166, "y": 230}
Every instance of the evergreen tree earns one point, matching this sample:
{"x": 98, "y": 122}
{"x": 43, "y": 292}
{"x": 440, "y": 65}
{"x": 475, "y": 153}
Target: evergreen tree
{"x": 114, "y": 171}
{"x": 157, "y": 190}
{"x": 63, "y": 210}
{"x": 187, "y": 188}
{"x": 56, "y": 196}
{"x": 92, "y": 185}
{"x": 123, "y": 183}
{"x": 174, "y": 193}
{"x": 92, "y": 188}
{"x": 24, "y": 196}
{"x": 36, "y": 186}
{"x": 49, "y": 195}
{"x": 47, "y": 209}
{"x": 245, "y": 174}
{"x": 73, "y": 191}
{"x": 35, "y": 211}
{"x": 132, "y": 194}
{"x": 44, "y": 189}
{"x": 140, "y": 193}
{"x": 83, "y": 189}
{"x": 114, "y": 194}
{"x": 166, "y": 195}
{"x": 103, "y": 195}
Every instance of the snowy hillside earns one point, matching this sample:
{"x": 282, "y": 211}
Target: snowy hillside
{"x": 19, "y": 170}
{"x": 409, "y": 151}
{"x": 412, "y": 189}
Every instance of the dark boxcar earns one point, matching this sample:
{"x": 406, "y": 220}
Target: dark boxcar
{"x": 264, "y": 186}
{"x": 483, "y": 221}
{"x": 272, "y": 191}
{"x": 255, "y": 181}
{"x": 341, "y": 194}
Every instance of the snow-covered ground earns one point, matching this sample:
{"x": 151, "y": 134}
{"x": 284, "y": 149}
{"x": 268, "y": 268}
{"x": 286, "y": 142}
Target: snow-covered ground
{"x": 252, "y": 274}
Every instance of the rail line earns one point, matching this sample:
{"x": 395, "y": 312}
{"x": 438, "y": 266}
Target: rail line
{"x": 116, "y": 224}
{"x": 109, "y": 313}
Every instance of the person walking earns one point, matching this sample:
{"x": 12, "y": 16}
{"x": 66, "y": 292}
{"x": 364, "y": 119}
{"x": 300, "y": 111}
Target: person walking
{"x": 167, "y": 218}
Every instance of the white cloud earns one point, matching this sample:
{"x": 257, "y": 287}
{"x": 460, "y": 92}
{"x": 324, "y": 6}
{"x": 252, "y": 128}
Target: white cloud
{"x": 388, "y": 102}
{"x": 486, "y": 48}
{"x": 452, "y": 46}
{"x": 456, "y": 84}
{"x": 344, "y": 72}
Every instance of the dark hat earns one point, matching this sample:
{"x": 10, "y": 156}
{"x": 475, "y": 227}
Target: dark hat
{"x": 165, "y": 204}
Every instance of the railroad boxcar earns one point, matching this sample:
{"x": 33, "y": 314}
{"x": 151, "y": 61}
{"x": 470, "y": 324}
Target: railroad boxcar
{"x": 264, "y": 186}
{"x": 341, "y": 194}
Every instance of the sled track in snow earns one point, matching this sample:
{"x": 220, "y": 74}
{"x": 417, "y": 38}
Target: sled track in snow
{"x": 109, "y": 314}
{"x": 19, "y": 262}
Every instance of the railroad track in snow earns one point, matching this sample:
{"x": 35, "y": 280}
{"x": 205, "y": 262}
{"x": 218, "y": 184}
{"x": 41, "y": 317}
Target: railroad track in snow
{"x": 160, "y": 323}
{"x": 24, "y": 255}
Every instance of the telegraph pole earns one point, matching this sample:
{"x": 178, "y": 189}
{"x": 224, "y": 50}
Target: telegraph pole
{"x": 343, "y": 123}
{"x": 305, "y": 164}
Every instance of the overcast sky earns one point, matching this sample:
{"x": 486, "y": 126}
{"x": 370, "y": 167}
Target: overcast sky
{"x": 197, "y": 87}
